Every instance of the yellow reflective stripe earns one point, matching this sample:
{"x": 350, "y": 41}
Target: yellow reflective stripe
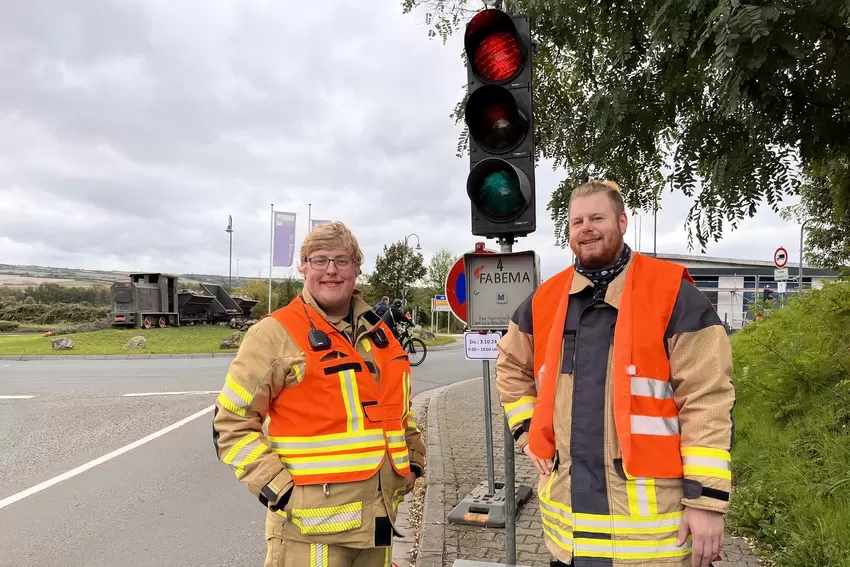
{"x": 705, "y": 461}
{"x": 405, "y": 381}
{"x": 366, "y": 345}
{"x": 351, "y": 397}
{"x": 642, "y": 497}
{"x": 298, "y": 371}
{"x": 396, "y": 439}
{"x": 328, "y": 520}
{"x": 327, "y": 464}
{"x": 388, "y": 557}
{"x": 398, "y": 497}
{"x": 401, "y": 460}
{"x": 520, "y": 410}
{"x": 371, "y": 439}
{"x": 318, "y": 555}
{"x": 654, "y": 549}
{"x": 244, "y": 452}
{"x": 234, "y": 397}
{"x": 411, "y": 419}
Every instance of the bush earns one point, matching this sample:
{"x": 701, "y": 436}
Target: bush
{"x": 40, "y": 313}
{"x": 6, "y": 326}
{"x": 792, "y": 378}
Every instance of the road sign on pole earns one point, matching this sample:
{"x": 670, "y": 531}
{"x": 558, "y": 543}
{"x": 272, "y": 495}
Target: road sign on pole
{"x": 497, "y": 285}
{"x": 456, "y": 284}
{"x": 780, "y": 274}
{"x": 780, "y": 257}
{"x": 440, "y": 303}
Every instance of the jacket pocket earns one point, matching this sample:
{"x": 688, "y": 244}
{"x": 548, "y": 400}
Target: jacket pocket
{"x": 327, "y": 520}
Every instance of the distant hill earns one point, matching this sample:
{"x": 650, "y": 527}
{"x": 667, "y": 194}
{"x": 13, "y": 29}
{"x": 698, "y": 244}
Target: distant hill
{"x": 23, "y": 276}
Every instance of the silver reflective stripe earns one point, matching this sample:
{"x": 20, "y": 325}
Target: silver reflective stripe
{"x": 643, "y": 496}
{"x": 645, "y": 425}
{"x": 587, "y": 524}
{"x": 651, "y": 388}
{"x": 564, "y": 517}
{"x": 245, "y": 452}
{"x": 396, "y": 438}
{"x": 319, "y": 552}
{"x": 353, "y": 401}
{"x": 376, "y": 436}
{"x": 520, "y": 409}
{"x": 586, "y": 546}
{"x": 402, "y": 461}
{"x": 234, "y": 397}
{"x": 335, "y": 463}
{"x": 331, "y": 519}
{"x": 707, "y": 462}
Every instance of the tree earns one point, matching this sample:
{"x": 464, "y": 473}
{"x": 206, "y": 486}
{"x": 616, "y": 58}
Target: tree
{"x": 396, "y": 270}
{"x": 438, "y": 270}
{"x": 729, "y": 102}
{"x": 824, "y": 201}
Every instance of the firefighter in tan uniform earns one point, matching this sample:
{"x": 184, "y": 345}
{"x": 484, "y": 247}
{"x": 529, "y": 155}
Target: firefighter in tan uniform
{"x": 332, "y": 386}
{"x": 615, "y": 376}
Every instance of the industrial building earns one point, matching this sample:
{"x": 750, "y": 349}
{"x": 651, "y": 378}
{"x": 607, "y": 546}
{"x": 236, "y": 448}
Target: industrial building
{"x": 732, "y": 285}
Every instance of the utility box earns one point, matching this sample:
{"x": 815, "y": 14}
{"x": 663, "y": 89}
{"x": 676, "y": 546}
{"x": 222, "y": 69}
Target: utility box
{"x": 496, "y": 284}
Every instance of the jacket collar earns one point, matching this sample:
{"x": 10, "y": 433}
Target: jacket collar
{"x": 359, "y": 307}
{"x": 614, "y": 294}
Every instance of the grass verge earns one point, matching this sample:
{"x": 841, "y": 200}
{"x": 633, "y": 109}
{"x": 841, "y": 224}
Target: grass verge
{"x": 792, "y": 446}
{"x": 186, "y": 340}
{"x": 178, "y": 340}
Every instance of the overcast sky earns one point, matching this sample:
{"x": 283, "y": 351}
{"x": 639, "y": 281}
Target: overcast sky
{"x": 129, "y": 131}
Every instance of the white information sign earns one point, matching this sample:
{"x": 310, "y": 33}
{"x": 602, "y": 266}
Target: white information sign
{"x": 496, "y": 284}
{"x": 781, "y": 286}
{"x": 481, "y": 346}
{"x": 780, "y": 274}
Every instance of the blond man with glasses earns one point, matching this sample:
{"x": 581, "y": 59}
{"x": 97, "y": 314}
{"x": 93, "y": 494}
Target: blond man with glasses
{"x": 333, "y": 385}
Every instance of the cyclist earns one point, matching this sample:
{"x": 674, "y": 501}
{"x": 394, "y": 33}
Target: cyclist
{"x": 394, "y": 315}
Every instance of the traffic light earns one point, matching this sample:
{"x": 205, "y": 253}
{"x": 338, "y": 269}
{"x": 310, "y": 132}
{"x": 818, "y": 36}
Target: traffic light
{"x": 498, "y": 115}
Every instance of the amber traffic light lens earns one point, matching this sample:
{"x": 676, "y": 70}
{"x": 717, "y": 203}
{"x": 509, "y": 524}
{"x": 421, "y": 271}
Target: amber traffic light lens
{"x": 494, "y": 120}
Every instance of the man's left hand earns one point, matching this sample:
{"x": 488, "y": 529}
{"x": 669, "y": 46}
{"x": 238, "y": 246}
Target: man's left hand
{"x": 409, "y": 481}
{"x": 706, "y": 529}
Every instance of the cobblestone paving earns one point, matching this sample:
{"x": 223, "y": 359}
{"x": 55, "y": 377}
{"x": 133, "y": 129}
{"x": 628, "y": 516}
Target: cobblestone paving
{"x": 456, "y": 463}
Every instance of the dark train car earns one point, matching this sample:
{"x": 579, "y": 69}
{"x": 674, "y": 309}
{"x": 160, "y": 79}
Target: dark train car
{"x": 149, "y": 300}
{"x": 146, "y": 300}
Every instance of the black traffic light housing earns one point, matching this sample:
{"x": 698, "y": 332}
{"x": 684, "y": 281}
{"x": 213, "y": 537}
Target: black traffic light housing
{"x": 499, "y": 117}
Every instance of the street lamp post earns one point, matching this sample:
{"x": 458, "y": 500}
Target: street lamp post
{"x": 418, "y": 247}
{"x": 802, "y": 249}
{"x": 229, "y": 230}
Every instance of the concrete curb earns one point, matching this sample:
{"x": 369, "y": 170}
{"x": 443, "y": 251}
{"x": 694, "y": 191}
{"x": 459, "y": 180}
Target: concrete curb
{"x": 432, "y": 533}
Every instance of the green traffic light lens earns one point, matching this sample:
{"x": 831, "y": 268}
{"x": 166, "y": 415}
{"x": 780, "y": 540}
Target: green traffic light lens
{"x": 500, "y": 196}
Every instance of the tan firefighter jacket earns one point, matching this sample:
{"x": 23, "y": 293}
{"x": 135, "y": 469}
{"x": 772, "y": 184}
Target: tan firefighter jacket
{"x": 263, "y": 368}
{"x": 590, "y": 511}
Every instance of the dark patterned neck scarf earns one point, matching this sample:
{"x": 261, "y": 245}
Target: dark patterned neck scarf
{"x": 604, "y": 276}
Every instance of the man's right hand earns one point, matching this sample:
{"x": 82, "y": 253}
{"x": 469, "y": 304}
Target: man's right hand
{"x": 544, "y": 466}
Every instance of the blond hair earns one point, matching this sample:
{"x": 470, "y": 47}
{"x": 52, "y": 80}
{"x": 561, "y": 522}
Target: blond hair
{"x": 594, "y": 186}
{"x": 328, "y": 236}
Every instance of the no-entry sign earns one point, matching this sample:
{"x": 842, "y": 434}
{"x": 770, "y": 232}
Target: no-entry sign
{"x": 456, "y": 284}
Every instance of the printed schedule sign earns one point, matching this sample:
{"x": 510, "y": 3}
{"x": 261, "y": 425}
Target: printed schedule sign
{"x": 481, "y": 346}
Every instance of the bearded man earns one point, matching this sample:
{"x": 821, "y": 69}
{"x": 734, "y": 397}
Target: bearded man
{"x": 615, "y": 376}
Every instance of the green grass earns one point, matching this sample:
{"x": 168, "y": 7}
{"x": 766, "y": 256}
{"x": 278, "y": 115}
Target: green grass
{"x": 176, "y": 340}
{"x": 186, "y": 340}
{"x": 792, "y": 448}
{"x": 439, "y": 341}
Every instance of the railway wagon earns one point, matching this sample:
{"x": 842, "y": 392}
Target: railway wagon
{"x": 149, "y": 300}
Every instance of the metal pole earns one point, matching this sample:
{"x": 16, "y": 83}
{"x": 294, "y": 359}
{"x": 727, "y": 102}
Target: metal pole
{"x": 271, "y": 256}
{"x": 309, "y": 217}
{"x": 488, "y": 430}
{"x": 802, "y": 250}
{"x": 506, "y": 246}
{"x": 655, "y": 226}
{"x": 230, "y": 266}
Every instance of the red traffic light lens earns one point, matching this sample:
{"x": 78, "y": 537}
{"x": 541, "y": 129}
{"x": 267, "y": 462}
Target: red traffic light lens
{"x": 494, "y": 120}
{"x": 492, "y": 46}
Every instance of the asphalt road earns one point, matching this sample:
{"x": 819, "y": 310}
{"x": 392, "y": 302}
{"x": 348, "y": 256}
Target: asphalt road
{"x": 91, "y": 477}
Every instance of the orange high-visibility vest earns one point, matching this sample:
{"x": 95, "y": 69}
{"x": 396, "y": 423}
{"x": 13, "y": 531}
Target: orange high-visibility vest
{"x": 338, "y": 423}
{"x": 645, "y": 416}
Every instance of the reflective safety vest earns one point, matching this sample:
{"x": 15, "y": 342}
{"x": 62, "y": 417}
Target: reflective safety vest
{"x": 338, "y": 423}
{"x": 645, "y": 415}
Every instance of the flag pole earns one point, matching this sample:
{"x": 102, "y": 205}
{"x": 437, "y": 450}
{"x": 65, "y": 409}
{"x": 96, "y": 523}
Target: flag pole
{"x": 271, "y": 256}
{"x": 309, "y": 217}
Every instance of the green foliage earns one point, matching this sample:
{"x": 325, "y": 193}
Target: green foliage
{"x": 438, "y": 270}
{"x": 737, "y": 98}
{"x": 28, "y": 311}
{"x": 6, "y": 326}
{"x": 283, "y": 292}
{"x": 55, "y": 293}
{"x": 396, "y": 270}
{"x": 792, "y": 380}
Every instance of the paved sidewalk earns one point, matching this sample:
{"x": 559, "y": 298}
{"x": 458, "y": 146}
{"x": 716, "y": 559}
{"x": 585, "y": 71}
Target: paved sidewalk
{"x": 456, "y": 464}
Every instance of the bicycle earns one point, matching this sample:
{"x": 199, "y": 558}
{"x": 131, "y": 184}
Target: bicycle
{"x": 413, "y": 346}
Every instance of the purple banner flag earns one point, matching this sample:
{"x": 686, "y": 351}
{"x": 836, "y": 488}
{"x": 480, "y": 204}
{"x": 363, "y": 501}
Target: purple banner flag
{"x": 315, "y": 222}
{"x": 284, "y": 239}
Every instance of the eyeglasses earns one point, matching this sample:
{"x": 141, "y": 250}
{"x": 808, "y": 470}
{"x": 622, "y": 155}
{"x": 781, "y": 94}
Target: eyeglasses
{"x": 342, "y": 263}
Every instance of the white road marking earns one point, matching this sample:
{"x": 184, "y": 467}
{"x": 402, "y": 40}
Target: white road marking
{"x": 171, "y": 393}
{"x": 100, "y": 460}
{"x": 16, "y": 397}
